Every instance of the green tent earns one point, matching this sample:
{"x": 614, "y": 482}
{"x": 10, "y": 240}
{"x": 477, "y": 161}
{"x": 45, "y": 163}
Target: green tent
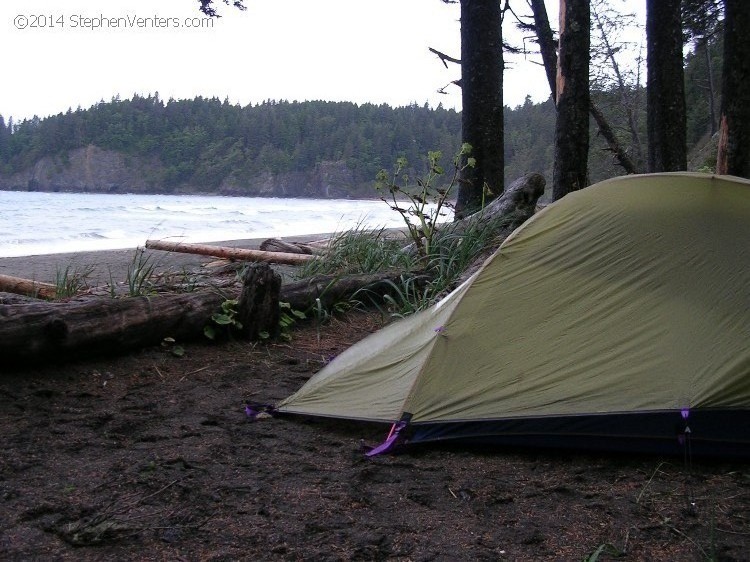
{"x": 616, "y": 318}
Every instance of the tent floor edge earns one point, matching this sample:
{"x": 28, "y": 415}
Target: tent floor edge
{"x": 709, "y": 433}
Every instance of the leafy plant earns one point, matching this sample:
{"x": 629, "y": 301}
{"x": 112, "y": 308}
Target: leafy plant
{"x": 442, "y": 253}
{"x": 140, "y": 273}
{"x": 453, "y": 253}
{"x": 408, "y": 296}
{"x": 188, "y": 281}
{"x": 69, "y": 281}
{"x": 422, "y": 204}
{"x": 358, "y": 251}
{"x": 224, "y": 320}
{"x": 288, "y": 318}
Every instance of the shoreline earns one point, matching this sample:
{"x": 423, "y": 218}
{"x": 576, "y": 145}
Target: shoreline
{"x": 109, "y": 265}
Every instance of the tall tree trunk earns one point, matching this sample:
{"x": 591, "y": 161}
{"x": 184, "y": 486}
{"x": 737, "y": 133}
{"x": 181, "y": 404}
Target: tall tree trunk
{"x": 548, "y": 49}
{"x": 573, "y": 100}
{"x": 665, "y": 111}
{"x": 711, "y": 86}
{"x": 547, "y": 46}
{"x": 613, "y": 143}
{"x": 734, "y": 130}
{"x": 482, "y": 102}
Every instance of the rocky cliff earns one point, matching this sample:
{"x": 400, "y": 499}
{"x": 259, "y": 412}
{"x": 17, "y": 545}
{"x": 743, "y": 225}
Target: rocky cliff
{"x": 89, "y": 169}
{"x": 95, "y": 170}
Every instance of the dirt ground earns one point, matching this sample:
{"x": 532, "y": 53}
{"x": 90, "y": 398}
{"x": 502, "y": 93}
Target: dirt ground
{"x": 151, "y": 457}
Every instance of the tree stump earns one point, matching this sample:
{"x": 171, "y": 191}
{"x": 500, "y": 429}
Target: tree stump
{"x": 258, "y": 308}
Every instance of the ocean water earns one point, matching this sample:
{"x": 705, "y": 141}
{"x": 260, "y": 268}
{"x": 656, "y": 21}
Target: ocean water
{"x": 48, "y": 223}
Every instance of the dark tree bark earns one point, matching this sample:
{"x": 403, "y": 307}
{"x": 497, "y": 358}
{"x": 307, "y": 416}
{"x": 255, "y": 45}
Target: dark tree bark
{"x": 258, "y": 308}
{"x": 40, "y": 331}
{"x": 573, "y": 100}
{"x": 665, "y": 111}
{"x": 734, "y": 131}
{"x": 548, "y": 49}
{"x": 330, "y": 290}
{"x": 547, "y": 45}
{"x": 482, "y": 102}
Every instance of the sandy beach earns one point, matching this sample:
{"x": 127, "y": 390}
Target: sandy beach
{"x": 105, "y": 265}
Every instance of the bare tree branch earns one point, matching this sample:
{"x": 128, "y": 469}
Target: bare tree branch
{"x": 206, "y": 6}
{"x": 455, "y": 82}
{"x": 445, "y": 59}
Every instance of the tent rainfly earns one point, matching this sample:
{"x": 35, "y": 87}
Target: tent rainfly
{"x": 617, "y": 318}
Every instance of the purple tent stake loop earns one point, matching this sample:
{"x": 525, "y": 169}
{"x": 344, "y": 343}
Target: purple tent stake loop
{"x": 683, "y": 438}
{"x": 390, "y": 441}
{"x": 685, "y": 413}
{"x": 253, "y": 410}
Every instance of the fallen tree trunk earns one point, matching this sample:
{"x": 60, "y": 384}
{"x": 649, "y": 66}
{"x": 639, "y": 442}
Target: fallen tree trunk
{"x": 516, "y": 204}
{"x": 277, "y": 245}
{"x": 47, "y": 332}
{"x": 229, "y": 253}
{"x": 503, "y": 215}
{"x": 27, "y": 287}
{"x": 331, "y": 289}
{"x": 40, "y": 332}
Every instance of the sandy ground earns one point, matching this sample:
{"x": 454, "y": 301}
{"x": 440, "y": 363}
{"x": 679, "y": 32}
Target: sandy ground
{"x": 105, "y": 265}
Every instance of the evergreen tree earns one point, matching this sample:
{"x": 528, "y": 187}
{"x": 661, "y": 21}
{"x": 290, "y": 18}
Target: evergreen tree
{"x": 734, "y": 136}
{"x": 573, "y": 99}
{"x": 482, "y": 103}
{"x": 667, "y": 136}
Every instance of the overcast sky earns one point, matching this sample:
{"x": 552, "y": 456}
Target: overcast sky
{"x": 60, "y": 54}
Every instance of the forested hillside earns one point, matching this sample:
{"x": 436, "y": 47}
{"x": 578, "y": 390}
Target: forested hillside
{"x": 203, "y": 143}
{"x": 206, "y": 145}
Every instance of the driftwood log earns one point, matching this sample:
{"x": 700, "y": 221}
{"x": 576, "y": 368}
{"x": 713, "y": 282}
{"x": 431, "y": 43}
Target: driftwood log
{"x": 49, "y": 332}
{"x": 240, "y": 254}
{"x": 45, "y": 332}
{"x": 28, "y": 287}
{"x": 331, "y": 289}
{"x": 516, "y": 204}
{"x": 278, "y": 245}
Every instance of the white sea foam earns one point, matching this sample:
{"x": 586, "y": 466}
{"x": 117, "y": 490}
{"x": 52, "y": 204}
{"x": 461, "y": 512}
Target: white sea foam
{"x": 48, "y": 223}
